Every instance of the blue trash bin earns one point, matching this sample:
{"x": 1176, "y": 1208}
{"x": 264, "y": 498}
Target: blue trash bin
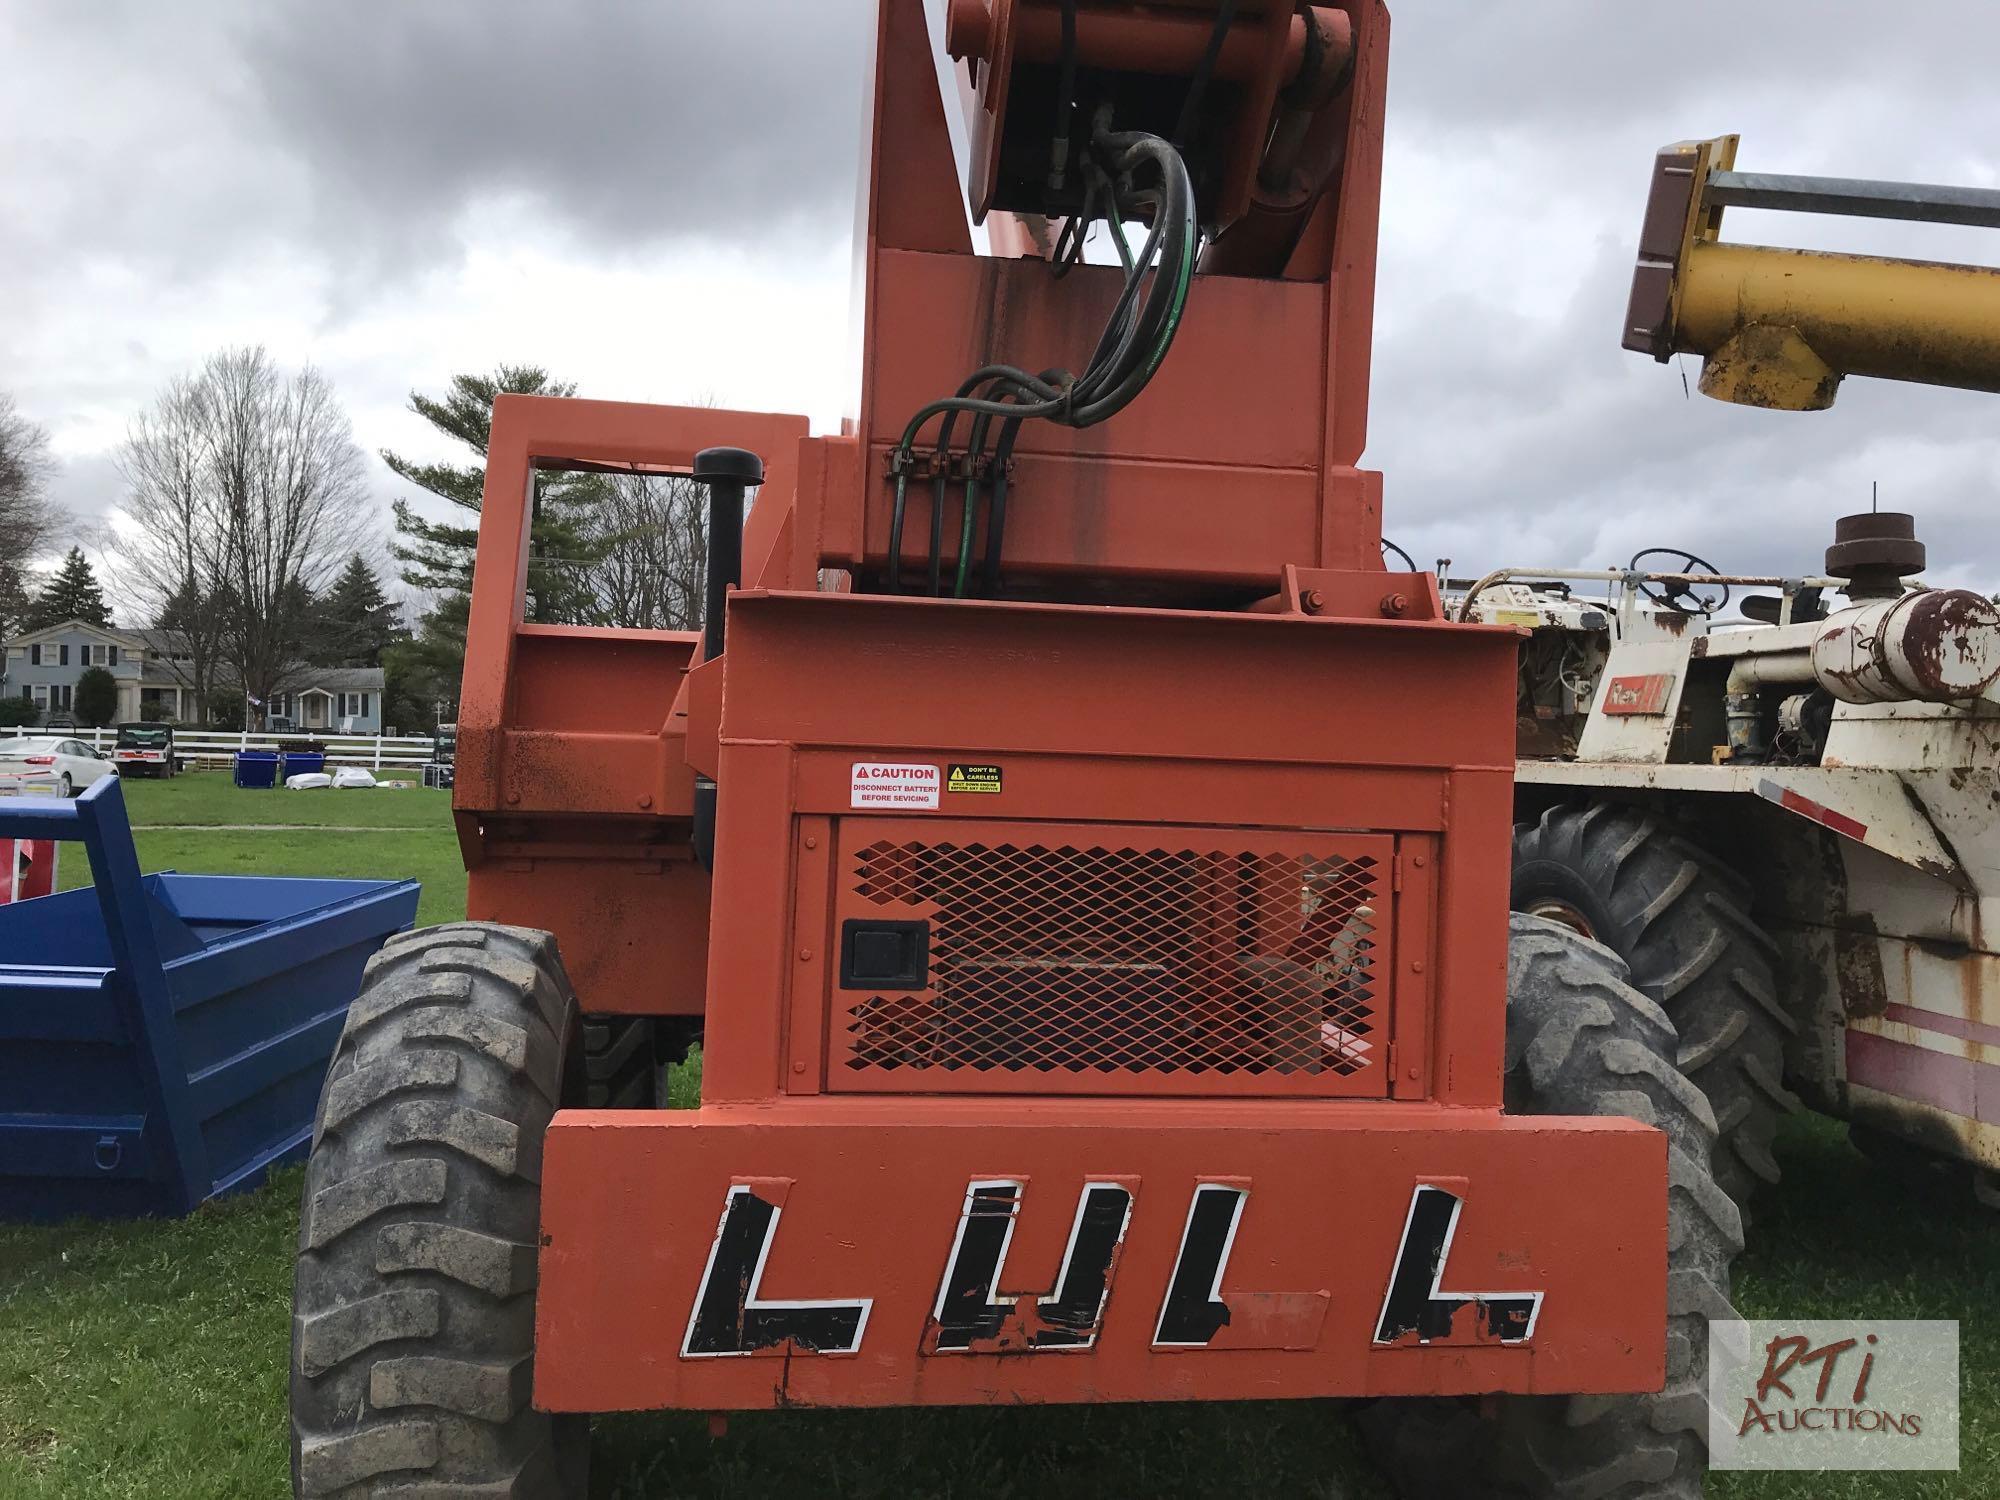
{"x": 164, "y": 1038}
{"x": 257, "y": 768}
{"x": 300, "y": 763}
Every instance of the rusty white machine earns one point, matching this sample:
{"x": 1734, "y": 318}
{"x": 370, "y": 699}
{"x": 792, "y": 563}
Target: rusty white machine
{"x": 1788, "y": 828}
{"x": 1788, "y": 823}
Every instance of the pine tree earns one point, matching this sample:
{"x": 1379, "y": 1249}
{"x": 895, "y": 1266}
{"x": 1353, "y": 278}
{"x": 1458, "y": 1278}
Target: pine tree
{"x": 437, "y": 556}
{"x": 354, "y": 621}
{"x": 72, "y": 593}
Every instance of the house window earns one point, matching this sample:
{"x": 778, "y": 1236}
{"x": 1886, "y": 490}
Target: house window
{"x": 55, "y": 697}
{"x": 100, "y": 656}
{"x": 41, "y": 692}
{"x": 354, "y": 705}
{"x": 281, "y": 705}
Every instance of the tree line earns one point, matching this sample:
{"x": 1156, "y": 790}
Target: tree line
{"x": 240, "y": 535}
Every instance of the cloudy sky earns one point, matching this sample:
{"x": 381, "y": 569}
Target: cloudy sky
{"x": 655, "y": 202}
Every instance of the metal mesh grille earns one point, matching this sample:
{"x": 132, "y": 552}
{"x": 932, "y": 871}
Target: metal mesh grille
{"x": 1105, "y": 962}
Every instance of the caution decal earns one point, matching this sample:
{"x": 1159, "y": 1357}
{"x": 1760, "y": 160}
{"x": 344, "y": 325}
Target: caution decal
{"x": 897, "y": 785}
{"x": 962, "y": 777}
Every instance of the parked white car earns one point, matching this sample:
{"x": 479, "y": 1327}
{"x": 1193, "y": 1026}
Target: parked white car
{"x": 72, "y": 764}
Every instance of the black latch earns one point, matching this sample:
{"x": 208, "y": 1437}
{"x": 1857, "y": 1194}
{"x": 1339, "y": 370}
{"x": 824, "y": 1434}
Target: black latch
{"x": 885, "y": 955}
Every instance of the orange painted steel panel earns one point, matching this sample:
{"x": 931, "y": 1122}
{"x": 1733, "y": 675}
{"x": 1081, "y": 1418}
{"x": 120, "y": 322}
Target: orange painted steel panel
{"x": 633, "y": 933}
{"x": 559, "y": 673}
{"x": 1210, "y": 403}
{"x": 1144, "y": 717}
{"x": 1157, "y": 789}
{"x": 1264, "y": 397}
{"x": 572, "y": 798}
{"x": 531, "y": 430}
{"x": 839, "y": 669}
{"x": 1120, "y": 520}
{"x": 871, "y": 1193}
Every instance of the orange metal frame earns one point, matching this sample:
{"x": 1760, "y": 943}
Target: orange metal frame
{"x": 1260, "y": 690}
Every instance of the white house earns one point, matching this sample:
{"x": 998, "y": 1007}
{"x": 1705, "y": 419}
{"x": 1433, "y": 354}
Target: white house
{"x": 44, "y": 665}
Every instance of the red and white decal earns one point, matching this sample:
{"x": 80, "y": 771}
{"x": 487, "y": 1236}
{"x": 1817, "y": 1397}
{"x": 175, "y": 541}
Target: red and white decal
{"x": 1639, "y": 695}
{"x": 1818, "y": 812}
{"x": 887, "y": 784}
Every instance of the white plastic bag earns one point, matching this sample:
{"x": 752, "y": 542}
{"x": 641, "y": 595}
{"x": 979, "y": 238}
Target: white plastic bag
{"x": 307, "y": 781}
{"x": 348, "y": 776}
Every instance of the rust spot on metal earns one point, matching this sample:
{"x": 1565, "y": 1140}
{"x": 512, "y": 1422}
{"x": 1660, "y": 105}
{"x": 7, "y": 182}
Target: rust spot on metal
{"x": 1857, "y": 961}
{"x": 1949, "y": 626}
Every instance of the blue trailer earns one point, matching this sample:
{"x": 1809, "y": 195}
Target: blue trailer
{"x": 163, "y": 1038}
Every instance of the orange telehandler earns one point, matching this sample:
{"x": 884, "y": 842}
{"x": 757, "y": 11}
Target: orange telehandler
{"x": 1084, "y": 866}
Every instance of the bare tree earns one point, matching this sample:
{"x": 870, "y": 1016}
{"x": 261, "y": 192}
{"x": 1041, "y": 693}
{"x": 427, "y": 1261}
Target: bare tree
{"x": 245, "y": 499}
{"x": 647, "y": 540}
{"x": 173, "y": 549}
{"x": 291, "y": 480}
{"x": 26, "y": 519}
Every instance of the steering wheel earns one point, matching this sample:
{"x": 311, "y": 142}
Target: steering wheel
{"x": 1683, "y": 598}
{"x": 1409, "y": 563}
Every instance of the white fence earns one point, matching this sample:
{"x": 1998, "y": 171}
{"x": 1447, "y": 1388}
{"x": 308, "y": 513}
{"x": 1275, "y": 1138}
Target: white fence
{"x": 216, "y": 746}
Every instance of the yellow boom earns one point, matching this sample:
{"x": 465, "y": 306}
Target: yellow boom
{"x": 1780, "y": 328}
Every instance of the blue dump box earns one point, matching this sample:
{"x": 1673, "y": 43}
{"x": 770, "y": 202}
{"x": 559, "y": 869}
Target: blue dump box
{"x": 256, "y": 768}
{"x": 300, "y": 763}
{"x": 163, "y": 1038}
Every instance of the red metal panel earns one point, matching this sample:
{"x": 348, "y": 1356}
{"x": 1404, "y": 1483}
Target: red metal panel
{"x": 849, "y": 669}
{"x": 633, "y": 933}
{"x": 528, "y": 430}
{"x": 1208, "y": 404}
{"x": 872, "y": 1191}
{"x": 1233, "y": 720}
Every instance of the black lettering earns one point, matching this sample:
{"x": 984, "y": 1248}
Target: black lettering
{"x": 972, "y": 1314}
{"x": 730, "y": 1318}
{"x": 1415, "y": 1302}
{"x": 966, "y": 1312}
{"x": 1194, "y": 1312}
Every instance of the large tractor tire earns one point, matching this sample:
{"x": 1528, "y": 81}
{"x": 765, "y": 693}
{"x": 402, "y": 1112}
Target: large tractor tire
{"x": 414, "y": 1296}
{"x": 1681, "y": 921}
{"x": 619, "y": 1067}
{"x": 1582, "y": 1041}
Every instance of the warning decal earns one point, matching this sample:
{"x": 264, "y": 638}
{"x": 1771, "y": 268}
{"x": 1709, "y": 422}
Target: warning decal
{"x": 964, "y": 778}
{"x": 877, "y": 784}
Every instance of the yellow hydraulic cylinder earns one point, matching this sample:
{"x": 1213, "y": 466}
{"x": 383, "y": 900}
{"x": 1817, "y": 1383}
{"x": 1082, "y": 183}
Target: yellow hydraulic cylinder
{"x": 1780, "y": 328}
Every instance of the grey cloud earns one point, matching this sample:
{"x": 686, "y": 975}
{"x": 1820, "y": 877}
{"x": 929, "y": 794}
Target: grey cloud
{"x": 624, "y": 124}
{"x": 1515, "y": 437}
{"x": 189, "y": 147}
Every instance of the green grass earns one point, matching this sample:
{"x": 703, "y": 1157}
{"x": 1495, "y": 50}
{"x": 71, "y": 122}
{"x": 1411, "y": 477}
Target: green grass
{"x": 209, "y": 798}
{"x": 415, "y": 841}
{"x": 148, "y": 1360}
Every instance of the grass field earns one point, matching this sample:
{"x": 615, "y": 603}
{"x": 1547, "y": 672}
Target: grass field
{"x": 148, "y": 1360}
{"x": 201, "y": 824}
